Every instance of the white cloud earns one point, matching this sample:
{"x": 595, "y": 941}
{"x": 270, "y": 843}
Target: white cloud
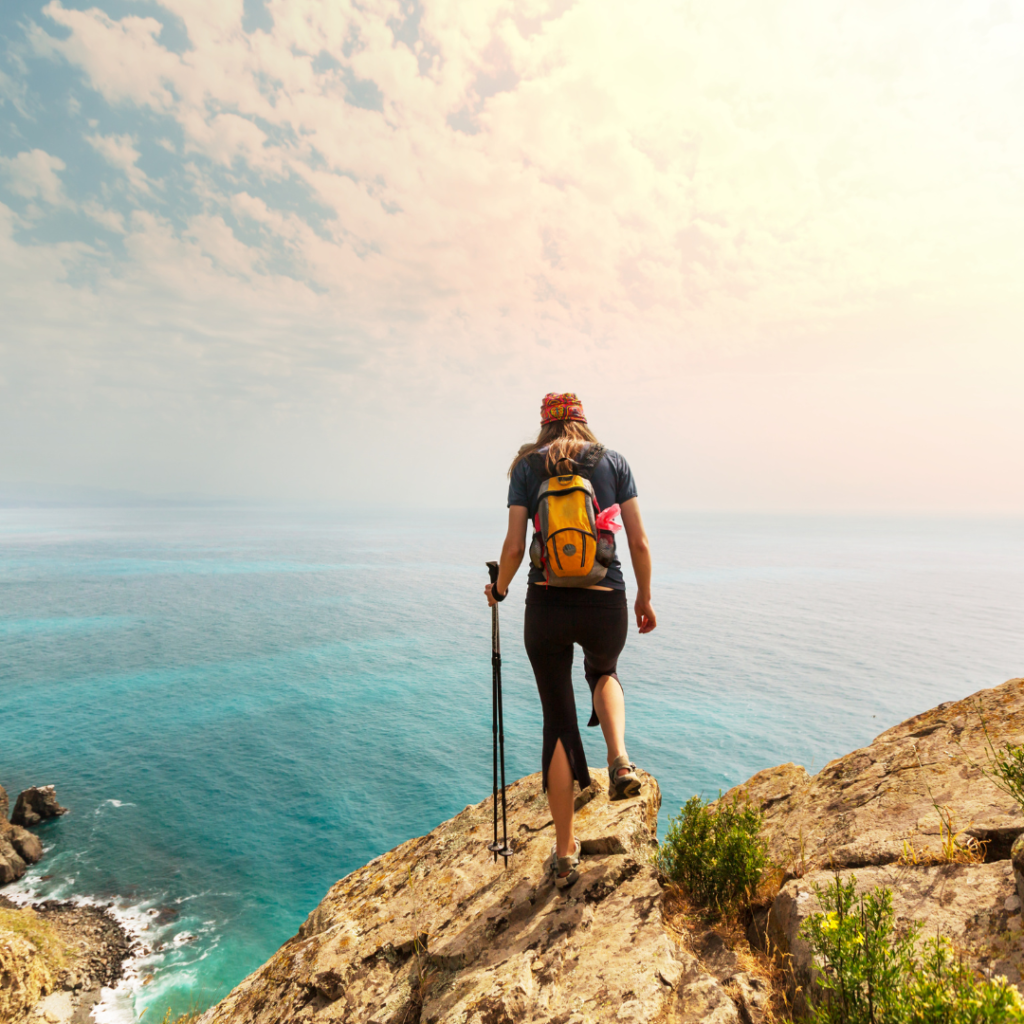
{"x": 33, "y": 175}
{"x": 110, "y": 219}
{"x": 12, "y": 91}
{"x": 644, "y": 193}
{"x": 123, "y": 59}
{"x": 119, "y": 151}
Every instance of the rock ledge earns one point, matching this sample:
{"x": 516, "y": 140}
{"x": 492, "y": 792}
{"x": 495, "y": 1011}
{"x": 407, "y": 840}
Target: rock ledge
{"x": 433, "y": 932}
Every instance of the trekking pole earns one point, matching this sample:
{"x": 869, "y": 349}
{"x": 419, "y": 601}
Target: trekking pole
{"x": 497, "y": 731}
{"x": 495, "y": 659}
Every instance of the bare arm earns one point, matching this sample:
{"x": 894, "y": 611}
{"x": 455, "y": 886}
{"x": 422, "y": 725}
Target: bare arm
{"x": 512, "y": 550}
{"x": 640, "y": 556}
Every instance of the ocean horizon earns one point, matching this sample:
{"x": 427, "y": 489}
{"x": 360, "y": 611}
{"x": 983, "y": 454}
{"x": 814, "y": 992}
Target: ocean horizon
{"x": 241, "y": 705}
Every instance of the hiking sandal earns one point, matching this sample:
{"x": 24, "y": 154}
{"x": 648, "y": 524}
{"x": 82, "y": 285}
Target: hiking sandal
{"x": 621, "y": 787}
{"x": 564, "y": 868}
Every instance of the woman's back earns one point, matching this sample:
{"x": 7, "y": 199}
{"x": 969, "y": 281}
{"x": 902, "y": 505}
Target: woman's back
{"x": 556, "y": 469}
{"x": 613, "y": 484}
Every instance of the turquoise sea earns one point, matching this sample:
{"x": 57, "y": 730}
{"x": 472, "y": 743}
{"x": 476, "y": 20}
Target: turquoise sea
{"x": 241, "y": 706}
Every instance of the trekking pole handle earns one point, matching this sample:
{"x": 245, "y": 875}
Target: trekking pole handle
{"x": 492, "y": 569}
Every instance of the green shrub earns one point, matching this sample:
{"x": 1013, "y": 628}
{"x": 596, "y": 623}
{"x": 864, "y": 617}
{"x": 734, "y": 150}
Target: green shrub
{"x": 1006, "y": 769}
{"x": 715, "y": 853}
{"x": 870, "y": 974}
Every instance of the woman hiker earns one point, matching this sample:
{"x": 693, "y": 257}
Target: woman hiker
{"x": 575, "y": 595}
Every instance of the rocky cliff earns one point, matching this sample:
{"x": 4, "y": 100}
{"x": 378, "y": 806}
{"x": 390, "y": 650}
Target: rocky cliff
{"x": 433, "y": 931}
{"x": 914, "y": 811}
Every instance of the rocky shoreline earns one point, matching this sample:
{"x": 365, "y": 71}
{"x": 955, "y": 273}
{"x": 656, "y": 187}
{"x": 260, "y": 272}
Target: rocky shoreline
{"x": 84, "y": 948}
{"x": 96, "y": 947}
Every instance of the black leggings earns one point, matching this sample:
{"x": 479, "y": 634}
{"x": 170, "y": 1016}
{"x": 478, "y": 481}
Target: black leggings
{"x": 557, "y": 618}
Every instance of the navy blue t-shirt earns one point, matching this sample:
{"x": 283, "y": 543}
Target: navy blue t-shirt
{"x": 613, "y": 483}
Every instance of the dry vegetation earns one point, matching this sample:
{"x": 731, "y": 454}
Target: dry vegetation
{"x": 32, "y": 958}
{"x": 184, "y": 1018}
{"x": 688, "y": 922}
{"x": 956, "y": 846}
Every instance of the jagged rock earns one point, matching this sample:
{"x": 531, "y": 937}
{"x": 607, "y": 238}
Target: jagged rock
{"x": 28, "y": 846}
{"x": 968, "y": 903}
{"x": 12, "y": 866}
{"x": 875, "y": 814}
{"x": 12, "y": 859}
{"x": 35, "y": 805}
{"x": 1017, "y": 859}
{"x": 24, "y": 976}
{"x": 434, "y": 931}
{"x": 862, "y": 809}
{"x": 748, "y": 993}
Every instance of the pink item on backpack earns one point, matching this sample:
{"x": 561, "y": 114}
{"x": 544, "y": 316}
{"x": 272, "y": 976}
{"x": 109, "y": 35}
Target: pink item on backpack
{"x": 606, "y": 519}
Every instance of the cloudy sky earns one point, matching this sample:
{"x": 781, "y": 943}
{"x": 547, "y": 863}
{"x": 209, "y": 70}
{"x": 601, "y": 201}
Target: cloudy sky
{"x": 290, "y": 249}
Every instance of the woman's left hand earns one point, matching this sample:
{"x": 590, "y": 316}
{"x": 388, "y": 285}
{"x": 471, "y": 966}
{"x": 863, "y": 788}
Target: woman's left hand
{"x": 490, "y": 600}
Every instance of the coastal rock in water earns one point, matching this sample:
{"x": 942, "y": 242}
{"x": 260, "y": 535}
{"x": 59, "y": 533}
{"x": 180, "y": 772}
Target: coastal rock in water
{"x": 12, "y": 863}
{"x": 18, "y": 846}
{"x": 974, "y": 905}
{"x": 35, "y": 805}
{"x": 12, "y": 866}
{"x": 435, "y": 931}
{"x": 28, "y": 846}
{"x": 881, "y": 803}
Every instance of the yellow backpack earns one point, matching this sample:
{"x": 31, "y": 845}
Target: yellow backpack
{"x": 567, "y": 543}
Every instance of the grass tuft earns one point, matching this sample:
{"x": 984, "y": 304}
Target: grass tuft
{"x": 1006, "y": 769}
{"x": 956, "y": 845}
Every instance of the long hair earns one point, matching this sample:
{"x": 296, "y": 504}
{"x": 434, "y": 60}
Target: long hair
{"x": 564, "y": 438}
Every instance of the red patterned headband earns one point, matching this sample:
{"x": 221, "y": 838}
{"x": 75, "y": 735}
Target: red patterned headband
{"x": 561, "y": 407}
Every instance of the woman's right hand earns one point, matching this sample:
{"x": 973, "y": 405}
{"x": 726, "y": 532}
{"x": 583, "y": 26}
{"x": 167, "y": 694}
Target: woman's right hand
{"x": 646, "y": 620}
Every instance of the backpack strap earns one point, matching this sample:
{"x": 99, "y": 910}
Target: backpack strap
{"x": 590, "y": 460}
